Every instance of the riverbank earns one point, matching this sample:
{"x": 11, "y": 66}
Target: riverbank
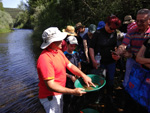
{"x": 5, "y": 30}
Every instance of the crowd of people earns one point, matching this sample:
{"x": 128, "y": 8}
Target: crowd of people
{"x": 70, "y": 54}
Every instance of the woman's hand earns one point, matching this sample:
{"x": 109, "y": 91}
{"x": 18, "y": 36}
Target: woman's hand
{"x": 115, "y": 56}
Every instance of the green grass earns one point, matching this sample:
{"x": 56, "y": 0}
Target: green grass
{"x": 5, "y": 30}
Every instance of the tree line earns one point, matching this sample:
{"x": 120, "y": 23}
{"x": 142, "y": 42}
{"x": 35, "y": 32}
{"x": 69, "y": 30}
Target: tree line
{"x": 41, "y": 14}
{"x": 45, "y": 13}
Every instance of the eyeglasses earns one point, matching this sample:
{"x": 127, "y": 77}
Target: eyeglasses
{"x": 141, "y": 21}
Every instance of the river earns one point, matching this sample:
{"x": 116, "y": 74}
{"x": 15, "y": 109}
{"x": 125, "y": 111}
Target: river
{"x": 19, "y": 79}
{"x": 18, "y": 75}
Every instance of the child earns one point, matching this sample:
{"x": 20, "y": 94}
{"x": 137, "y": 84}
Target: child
{"x": 74, "y": 58}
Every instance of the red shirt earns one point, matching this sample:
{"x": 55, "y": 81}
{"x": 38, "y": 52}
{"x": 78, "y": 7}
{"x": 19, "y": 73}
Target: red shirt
{"x": 51, "y": 65}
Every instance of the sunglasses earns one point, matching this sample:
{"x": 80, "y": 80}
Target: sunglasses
{"x": 111, "y": 28}
{"x": 141, "y": 21}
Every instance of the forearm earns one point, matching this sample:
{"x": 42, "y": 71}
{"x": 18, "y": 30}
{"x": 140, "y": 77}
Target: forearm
{"x": 147, "y": 65}
{"x": 143, "y": 60}
{"x": 85, "y": 48}
{"x": 76, "y": 71}
{"x": 140, "y": 56}
{"x": 91, "y": 51}
{"x": 53, "y": 86}
{"x": 86, "y": 54}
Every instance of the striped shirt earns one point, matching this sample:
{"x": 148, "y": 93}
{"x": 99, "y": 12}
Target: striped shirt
{"x": 132, "y": 25}
{"x": 135, "y": 39}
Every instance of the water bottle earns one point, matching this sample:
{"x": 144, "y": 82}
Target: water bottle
{"x": 98, "y": 58}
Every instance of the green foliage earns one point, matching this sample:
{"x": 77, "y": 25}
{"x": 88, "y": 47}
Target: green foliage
{"x": 60, "y": 13}
{"x": 36, "y": 15}
{"x": 6, "y": 21}
{"x": 5, "y": 30}
{"x": 44, "y": 17}
{"x": 13, "y": 12}
{"x": 22, "y": 20}
{"x": 1, "y": 6}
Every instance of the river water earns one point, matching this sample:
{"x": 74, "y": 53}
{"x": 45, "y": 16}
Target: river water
{"x": 18, "y": 75}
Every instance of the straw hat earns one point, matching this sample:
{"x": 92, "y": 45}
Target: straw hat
{"x": 128, "y": 19}
{"x": 50, "y": 35}
{"x": 70, "y": 30}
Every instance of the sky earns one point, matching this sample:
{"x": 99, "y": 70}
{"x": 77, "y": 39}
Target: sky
{"x": 11, "y": 3}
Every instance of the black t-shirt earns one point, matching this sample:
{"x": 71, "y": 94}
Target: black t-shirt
{"x": 104, "y": 42}
{"x": 147, "y": 45}
{"x": 86, "y": 37}
{"x": 147, "y": 51}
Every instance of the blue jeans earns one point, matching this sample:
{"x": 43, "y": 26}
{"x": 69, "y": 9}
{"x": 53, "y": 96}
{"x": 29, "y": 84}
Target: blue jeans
{"x": 129, "y": 64}
{"x": 110, "y": 72}
{"x": 53, "y": 106}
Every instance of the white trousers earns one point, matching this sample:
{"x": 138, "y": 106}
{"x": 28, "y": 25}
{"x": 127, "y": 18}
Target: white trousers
{"x": 53, "y": 106}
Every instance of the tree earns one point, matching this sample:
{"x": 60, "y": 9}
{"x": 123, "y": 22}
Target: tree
{"x": 1, "y": 6}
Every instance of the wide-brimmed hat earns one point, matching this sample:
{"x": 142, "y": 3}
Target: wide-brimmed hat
{"x": 128, "y": 19}
{"x": 50, "y": 35}
{"x": 70, "y": 30}
{"x": 92, "y": 28}
{"x": 72, "y": 40}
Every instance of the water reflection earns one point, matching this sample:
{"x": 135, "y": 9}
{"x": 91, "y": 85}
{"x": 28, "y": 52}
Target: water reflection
{"x": 18, "y": 76}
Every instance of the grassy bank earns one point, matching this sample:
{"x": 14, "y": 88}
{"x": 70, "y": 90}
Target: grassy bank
{"x": 5, "y": 30}
{"x": 6, "y": 22}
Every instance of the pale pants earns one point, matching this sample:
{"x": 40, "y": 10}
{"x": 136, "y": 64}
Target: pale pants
{"x": 129, "y": 63}
{"x": 53, "y": 106}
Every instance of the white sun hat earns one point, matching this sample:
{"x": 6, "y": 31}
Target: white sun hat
{"x": 50, "y": 35}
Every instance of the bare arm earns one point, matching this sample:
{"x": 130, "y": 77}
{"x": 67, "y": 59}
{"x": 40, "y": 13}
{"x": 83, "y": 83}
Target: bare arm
{"x": 147, "y": 65}
{"x": 86, "y": 50}
{"x": 91, "y": 50}
{"x": 140, "y": 56}
{"x": 76, "y": 71}
{"x": 53, "y": 86}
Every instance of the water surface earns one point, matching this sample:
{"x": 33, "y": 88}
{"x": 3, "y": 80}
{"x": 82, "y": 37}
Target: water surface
{"x": 18, "y": 75}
